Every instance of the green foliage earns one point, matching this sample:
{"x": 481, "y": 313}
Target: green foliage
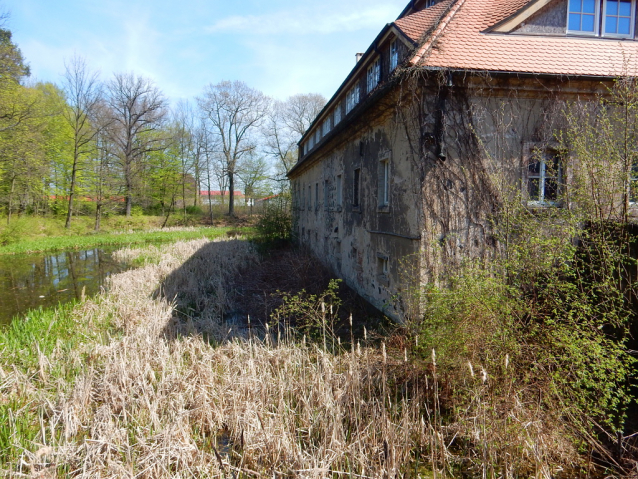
{"x": 314, "y": 315}
{"x": 275, "y": 225}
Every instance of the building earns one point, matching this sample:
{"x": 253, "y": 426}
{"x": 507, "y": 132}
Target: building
{"x": 396, "y": 176}
{"x": 217, "y": 197}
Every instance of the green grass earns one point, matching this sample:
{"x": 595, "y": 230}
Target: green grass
{"x": 58, "y": 243}
{"x": 53, "y": 332}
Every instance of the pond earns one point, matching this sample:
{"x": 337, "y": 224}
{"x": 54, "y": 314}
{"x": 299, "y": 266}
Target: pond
{"x": 46, "y": 279}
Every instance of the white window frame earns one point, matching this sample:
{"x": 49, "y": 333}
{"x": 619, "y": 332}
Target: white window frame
{"x": 596, "y": 31}
{"x": 539, "y": 153}
{"x": 384, "y": 183}
{"x": 352, "y": 97}
{"x": 394, "y": 55}
{"x": 632, "y": 22}
{"x": 326, "y": 127}
{"x": 374, "y": 74}
{"x": 337, "y": 114}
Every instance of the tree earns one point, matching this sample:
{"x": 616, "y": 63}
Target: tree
{"x": 83, "y": 93}
{"x": 286, "y": 123}
{"x": 234, "y": 111}
{"x": 252, "y": 171}
{"x": 138, "y": 109}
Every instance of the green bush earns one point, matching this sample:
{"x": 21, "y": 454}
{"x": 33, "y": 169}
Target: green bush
{"x": 275, "y": 224}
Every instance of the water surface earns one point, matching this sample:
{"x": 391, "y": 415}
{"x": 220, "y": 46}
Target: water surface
{"x": 44, "y": 279}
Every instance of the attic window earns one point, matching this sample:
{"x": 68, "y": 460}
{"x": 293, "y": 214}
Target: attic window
{"x": 374, "y": 74}
{"x": 394, "y": 55}
{"x": 352, "y": 98}
{"x": 617, "y": 19}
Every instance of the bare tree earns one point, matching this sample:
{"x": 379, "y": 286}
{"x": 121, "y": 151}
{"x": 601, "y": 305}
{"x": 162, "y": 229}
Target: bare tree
{"x": 83, "y": 92}
{"x": 286, "y": 123}
{"x": 138, "y": 110}
{"x": 234, "y": 110}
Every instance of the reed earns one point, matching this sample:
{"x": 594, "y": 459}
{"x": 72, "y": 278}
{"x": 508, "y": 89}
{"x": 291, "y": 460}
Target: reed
{"x": 167, "y": 391}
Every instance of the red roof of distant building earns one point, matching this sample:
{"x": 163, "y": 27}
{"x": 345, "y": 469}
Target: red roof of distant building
{"x": 220, "y": 193}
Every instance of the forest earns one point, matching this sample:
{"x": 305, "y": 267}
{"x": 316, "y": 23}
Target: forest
{"x": 96, "y": 147}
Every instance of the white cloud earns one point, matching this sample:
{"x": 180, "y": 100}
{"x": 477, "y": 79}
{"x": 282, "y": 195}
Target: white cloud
{"x": 307, "y": 21}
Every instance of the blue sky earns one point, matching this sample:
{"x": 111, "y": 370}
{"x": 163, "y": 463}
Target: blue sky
{"x": 278, "y": 46}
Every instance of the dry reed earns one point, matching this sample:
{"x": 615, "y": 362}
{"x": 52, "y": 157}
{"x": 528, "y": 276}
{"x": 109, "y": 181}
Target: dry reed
{"x": 178, "y": 395}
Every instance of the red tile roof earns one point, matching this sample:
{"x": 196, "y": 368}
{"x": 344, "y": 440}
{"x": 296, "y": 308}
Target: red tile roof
{"x": 418, "y": 24}
{"x": 459, "y": 42}
{"x": 220, "y": 193}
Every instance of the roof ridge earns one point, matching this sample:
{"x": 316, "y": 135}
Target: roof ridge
{"x": 437, "y": 32}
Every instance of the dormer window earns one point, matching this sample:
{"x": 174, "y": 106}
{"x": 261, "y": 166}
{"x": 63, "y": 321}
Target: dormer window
{"x": 352, "y": 98}
{"x": 394, "y": 55}
{"x": 608, "y": 18}
{"x": 374, "y": 74}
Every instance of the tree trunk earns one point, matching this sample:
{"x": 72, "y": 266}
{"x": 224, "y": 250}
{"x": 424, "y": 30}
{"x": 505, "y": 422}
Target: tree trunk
{"x": 98, "y": 216}
{"x": 231, "y": 196}
{"x": 69, "y": 213}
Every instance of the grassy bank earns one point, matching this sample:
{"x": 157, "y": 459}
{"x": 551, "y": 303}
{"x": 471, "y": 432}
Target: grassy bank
{"x": 58, "y": 243}
{"x": 148, "y": 381}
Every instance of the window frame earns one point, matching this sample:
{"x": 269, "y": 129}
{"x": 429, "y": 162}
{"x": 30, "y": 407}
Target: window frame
{"x": 384, "y": 183}
{"x": 353, "y": 97}
{"x": 337, "y": 114}
{"x": 373, "y": 75}
{"x": 542, "y": 152}
{"x": 596, "y": 31}
{"x": 356, "y": 188}
{"x": 632, "y": 22}
{"x": 394, "y": 55}
{"x": 632, "y": 191}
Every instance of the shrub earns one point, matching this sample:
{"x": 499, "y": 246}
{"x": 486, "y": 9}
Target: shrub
{"x": 275, "y": 225}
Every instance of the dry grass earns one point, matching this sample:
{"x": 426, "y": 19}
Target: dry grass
{"x": 175, "y": 397}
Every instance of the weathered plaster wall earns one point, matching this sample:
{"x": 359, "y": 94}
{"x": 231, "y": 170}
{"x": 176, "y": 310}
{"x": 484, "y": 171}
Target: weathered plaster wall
{"x": 551, "y": 19}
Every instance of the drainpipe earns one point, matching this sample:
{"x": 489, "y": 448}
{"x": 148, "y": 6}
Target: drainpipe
{"x": 439, "y": 118}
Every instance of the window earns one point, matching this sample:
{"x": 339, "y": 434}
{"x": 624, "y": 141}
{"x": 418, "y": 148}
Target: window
{"x": 316, "y": 195}
{"x": 544, "y": 178}
{"x": 352, "y": 98}
{"x": 374, "y": 74}
{"x": 311, "y": 142}
{"x": 355, "y": 188}
{"x": 394, "y": 55}
{"x": 384, "y": 183}
{"x": 318, "y": 135}
{"x": 326, "y": 194}
{"x": 337, "y": 113}
{"x": 326, "y": 126}
{"x": 339, "y": 197}
{"x": 309, "y": 197}
{"x": 383, "y": 265}
{"x": 582, "y": 16}
{"x": 618, "y": 17}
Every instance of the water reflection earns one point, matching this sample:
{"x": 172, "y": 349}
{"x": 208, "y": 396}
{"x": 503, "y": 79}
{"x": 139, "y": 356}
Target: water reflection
{"x": 30, "y": 281}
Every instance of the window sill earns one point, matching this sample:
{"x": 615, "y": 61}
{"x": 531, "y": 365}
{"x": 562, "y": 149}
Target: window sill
{"x": 356, "y": 209}
{"x": 384, "y": 209}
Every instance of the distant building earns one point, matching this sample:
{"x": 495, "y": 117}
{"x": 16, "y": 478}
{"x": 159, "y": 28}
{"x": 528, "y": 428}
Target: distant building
{"x": 219, "y": 197}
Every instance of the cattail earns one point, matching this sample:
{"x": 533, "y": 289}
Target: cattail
{"x": 385, "y": 356}
{"x": 350, "y": 320}
{"x": 507, "y": 360}
{"x": 358, "y": 348}
{"x": 471, "y": 368}
{"x": 405, "y": 354}
{"x": 323, "y": 307}
{"x": 365, "y": 334}
{"x": 484, "y": 375}
{"x": 433, "y": 357}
